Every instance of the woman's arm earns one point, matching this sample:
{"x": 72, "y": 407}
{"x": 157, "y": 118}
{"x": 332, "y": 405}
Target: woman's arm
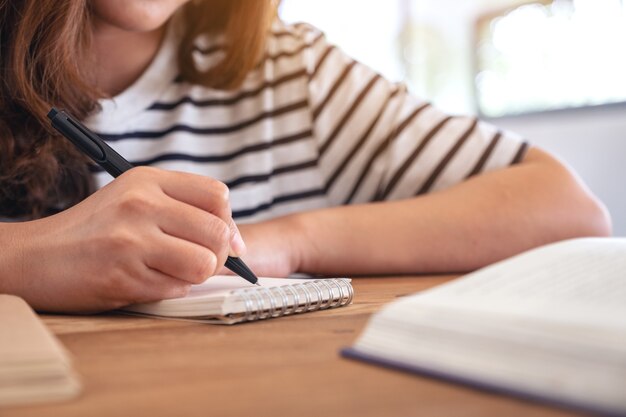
{"x": 479, "y": 221}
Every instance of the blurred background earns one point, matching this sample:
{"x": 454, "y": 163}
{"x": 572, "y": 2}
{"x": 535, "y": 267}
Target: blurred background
{"x": 552, "y": 70}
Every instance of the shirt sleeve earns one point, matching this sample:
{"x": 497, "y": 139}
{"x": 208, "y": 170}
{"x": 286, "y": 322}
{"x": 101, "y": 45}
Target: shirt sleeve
{"x": 378, "y": 142}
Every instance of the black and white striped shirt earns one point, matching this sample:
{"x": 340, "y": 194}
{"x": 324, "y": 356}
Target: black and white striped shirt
{"x": 309, "y": 128}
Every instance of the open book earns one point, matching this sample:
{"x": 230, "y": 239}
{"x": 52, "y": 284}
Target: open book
{"x": 34, "y": 366}
{"x": 549, "y": 324}
{"x": 229, "y": 299}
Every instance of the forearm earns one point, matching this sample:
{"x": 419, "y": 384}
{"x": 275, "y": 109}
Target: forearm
{"x": 11, "y": 265}
{"x": 477, "y": 222}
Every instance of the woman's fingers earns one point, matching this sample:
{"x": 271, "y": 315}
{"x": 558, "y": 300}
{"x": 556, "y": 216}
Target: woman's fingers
{"x": 193, "y": 210}
{"x": 155, "y": 285}
{"x": 181, "y": 259}
{"x": 206, "y": 194}
{"x": 194, "y": 225}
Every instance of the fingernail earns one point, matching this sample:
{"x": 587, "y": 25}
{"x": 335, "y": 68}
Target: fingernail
{"x": 237, "y": 245}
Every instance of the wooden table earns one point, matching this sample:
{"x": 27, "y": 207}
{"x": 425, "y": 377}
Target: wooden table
{"x": 290, "y": 366}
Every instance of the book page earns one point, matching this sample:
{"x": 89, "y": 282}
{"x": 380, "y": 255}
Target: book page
{"x": 550, "y": 322}
{"x": 581, "y": 280}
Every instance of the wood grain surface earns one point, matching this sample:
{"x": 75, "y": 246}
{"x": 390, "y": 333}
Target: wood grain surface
{"x": 134, "y": 366}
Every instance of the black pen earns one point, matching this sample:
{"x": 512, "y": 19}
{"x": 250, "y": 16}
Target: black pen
{"x": 93, "y": 146}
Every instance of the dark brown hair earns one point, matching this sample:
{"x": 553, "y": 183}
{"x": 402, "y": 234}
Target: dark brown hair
{"x": 42, "y": 43}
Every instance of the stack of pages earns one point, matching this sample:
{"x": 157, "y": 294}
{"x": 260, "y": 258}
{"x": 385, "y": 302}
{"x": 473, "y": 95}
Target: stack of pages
{"x": 549, "y": 324}
{"x": 34, "y": 367}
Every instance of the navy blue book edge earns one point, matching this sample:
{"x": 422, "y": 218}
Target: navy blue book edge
{"x": 481, "y": 385}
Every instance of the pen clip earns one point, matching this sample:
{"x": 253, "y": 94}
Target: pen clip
{"x": 78, "y": 135}
{"x": 89, "y": 143}
{"x": 97, "y": 152}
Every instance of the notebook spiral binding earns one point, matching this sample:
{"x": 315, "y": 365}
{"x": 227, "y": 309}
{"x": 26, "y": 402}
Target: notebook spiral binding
{"x": 263, "y": 303}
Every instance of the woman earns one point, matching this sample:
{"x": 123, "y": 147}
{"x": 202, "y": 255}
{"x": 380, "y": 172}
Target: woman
{"x": 331, "y": 169}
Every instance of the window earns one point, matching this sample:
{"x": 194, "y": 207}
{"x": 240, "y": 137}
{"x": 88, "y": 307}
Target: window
{"x": 494, "y": 57}
{"x": 551, "y": 55}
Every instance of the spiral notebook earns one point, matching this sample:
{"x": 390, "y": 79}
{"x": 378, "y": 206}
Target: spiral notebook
{"x": 230, "y": 300}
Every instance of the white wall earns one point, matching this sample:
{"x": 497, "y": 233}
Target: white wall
{"x": 592, "y": 141}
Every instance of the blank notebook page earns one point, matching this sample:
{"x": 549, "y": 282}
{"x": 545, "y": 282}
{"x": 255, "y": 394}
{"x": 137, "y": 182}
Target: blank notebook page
{"x": 222, "y": 285}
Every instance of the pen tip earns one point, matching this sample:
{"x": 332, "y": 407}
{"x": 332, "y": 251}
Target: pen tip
{"x": 256, "y": 283}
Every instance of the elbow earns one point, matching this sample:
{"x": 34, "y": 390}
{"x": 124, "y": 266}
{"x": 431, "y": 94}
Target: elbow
{"x": 584, "y": 214}
{"x": 597, "y": 220}
{"x": 574, "y": 211}
{"x": 587, "y": 215}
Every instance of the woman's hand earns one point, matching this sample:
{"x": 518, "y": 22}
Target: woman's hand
{"x": 146, "y": 236}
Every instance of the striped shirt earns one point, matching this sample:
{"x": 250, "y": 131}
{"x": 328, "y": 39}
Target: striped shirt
{"x": 309, "y": 128}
